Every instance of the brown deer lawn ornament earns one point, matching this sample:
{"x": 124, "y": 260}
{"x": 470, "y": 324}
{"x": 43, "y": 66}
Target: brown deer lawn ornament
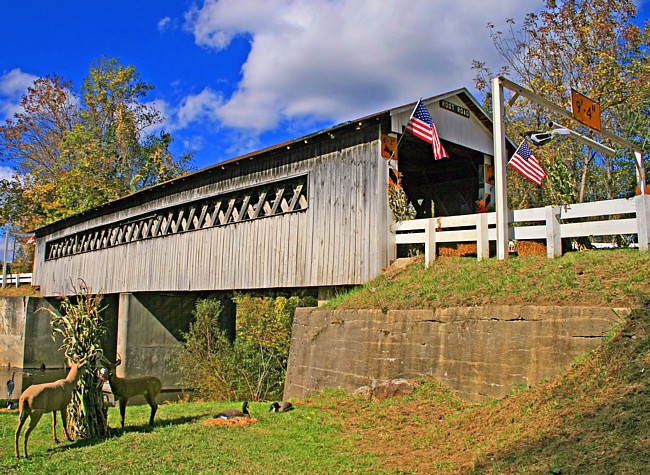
{"x": 38, "y": 399}
{"x": 125, "y": 388}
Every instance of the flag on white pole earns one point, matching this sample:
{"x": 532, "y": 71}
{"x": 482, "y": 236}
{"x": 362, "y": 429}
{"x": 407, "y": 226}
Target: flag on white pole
{"x": 421, "y": 125}
{"x": 527, "y": 164}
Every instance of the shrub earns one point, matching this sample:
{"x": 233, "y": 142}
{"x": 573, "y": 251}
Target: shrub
{"x": 263, "y": 342}
{"x": 253, "y": 367}
{"x": 205, "y": 358}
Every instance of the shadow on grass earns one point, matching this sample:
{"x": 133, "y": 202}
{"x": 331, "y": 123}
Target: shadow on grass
{"x": 603, "y": 428}
{"x": 606, "y": 441}
{"x": 116, "y": 432}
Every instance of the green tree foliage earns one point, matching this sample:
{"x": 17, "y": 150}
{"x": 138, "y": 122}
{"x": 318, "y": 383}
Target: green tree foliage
{"x": 75, "y": 150}
{"x": 206, "y": 359}
{"x": 266, "y": 322}
{"x": 595, "y": 48}
{"x": 81, "y": 325}
{"x": 23, "y": 257}
{"x": 252, "y": 367}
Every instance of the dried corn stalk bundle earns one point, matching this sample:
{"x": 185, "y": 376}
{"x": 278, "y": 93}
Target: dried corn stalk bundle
{"x": 399, "y": 204}
{"x": 81, "y": 325}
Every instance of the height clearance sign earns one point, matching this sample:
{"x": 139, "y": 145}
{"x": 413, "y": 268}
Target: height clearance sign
{"x": 585, "y": 110}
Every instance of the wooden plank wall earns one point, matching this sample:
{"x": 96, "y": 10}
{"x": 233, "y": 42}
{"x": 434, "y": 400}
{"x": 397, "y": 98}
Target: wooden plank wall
{"x": 342, "y": 238}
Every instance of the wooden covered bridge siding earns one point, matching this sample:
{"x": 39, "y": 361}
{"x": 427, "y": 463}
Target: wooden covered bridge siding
{"x": 224, "y": 229}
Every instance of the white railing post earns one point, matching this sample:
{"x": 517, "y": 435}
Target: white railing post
{"x": 642, "y": 205}
{"x": 482, "y": 240}
{"x": 553, "y": 234}
{"x": 429, "y": 241}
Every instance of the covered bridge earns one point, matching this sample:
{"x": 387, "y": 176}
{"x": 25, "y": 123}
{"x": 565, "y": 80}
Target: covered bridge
{"x": 306, "y": 216}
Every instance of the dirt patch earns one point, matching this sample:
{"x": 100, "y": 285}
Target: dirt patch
{"x": 20, "y": 291}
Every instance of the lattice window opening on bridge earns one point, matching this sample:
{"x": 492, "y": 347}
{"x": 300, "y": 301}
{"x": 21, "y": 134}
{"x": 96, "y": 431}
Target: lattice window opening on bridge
{"x": 262, "y": 201}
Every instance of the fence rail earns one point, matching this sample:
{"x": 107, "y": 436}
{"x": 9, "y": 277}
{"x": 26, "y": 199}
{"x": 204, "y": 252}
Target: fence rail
{"x": 16, "y": 279}
{"x": 629, "y": 216}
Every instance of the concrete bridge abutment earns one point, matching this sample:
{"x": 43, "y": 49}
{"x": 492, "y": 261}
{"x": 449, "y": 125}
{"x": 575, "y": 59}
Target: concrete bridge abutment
{"x": 481, "y": 353}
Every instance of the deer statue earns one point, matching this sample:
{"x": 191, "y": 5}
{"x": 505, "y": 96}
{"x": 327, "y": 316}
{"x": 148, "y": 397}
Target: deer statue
{"x": 125, "y": 388}
{"x": 38, "y": 399}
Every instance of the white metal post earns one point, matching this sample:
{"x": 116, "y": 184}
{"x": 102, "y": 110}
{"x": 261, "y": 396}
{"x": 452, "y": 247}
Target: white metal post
{"x": 500, "y": 163}
{"x": 640, "y": 171}
{"x": 642, "y": 205}
{"x": 4, "y": 264}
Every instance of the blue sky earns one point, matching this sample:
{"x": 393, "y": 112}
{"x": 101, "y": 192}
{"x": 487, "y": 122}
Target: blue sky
{"x": 234, "y": 76}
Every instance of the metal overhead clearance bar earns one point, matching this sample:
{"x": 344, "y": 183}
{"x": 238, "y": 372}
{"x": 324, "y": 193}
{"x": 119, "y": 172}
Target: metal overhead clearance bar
{"x": 500, "y": 158}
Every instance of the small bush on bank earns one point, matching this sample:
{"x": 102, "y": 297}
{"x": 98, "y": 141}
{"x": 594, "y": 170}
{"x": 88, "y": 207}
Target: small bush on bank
{"x": 253, "y": 366}
{"x": 205, "y": 360}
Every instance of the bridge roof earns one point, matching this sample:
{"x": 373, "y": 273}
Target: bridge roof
{"x": 182, "y": 182}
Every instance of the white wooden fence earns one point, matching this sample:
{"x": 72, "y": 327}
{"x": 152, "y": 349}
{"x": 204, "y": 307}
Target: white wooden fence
{"x": 16, "y": 279}
{"x": 551, "y": 223}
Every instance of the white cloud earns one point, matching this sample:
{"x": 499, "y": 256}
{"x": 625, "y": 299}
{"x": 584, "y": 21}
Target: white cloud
{"x": 341, "y": 59}
{"x": 6, "y": 173}
{"x": 13, "y": 85}
{"x": 193, "y": 109}
{"x": 201, "y": 107}
{"x": 166, "y": 111}
{"x": 194, "y": 143}
{"x": 164, "y": 23}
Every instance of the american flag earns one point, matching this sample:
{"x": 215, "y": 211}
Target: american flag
{"x": 421, "y": 125}
{"x": 527, "y": 165}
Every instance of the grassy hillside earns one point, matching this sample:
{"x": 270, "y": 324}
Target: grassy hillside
{"x": 612, "y": 278}
{"x": 592, "y": 420}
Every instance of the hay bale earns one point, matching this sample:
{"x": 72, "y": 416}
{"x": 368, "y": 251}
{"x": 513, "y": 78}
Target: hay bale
{"x": 236, "y": 422}
{"x": 448, "y": 249}
{"x": 529, "y": 248}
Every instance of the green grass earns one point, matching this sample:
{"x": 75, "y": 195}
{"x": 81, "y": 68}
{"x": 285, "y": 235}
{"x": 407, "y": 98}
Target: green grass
{"x": 307, "y": 440}
{"x": 613, "y": 278}
{"x": 592, "y": 420}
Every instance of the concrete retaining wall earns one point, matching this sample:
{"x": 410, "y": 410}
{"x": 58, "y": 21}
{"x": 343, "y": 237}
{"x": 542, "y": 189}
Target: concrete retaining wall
{"x": 480, "y": 352}
{"x": 134, "y": 329}
{"x": 12, "y": 328}
{"x": 40, "y": 348}
{"x": 26, "y": 335}
{"x": 144, "y": 344}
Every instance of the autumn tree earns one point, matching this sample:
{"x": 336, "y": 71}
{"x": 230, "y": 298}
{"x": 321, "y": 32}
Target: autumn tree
{"x": 32, "y": 140}
{"x": 595, "y": 48}
{"x": 75, "y": 150}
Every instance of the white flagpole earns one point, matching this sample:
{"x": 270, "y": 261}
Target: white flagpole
{"x": 500, "y": 163}
{"x": 404, "y": 132}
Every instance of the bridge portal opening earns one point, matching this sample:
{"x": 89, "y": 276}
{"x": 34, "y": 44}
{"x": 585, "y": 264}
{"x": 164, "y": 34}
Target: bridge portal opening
{"x": 452, "y": 185}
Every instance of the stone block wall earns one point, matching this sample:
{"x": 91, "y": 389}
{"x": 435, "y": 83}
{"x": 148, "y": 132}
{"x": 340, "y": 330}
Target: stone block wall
{"x": 479, "y": 352}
